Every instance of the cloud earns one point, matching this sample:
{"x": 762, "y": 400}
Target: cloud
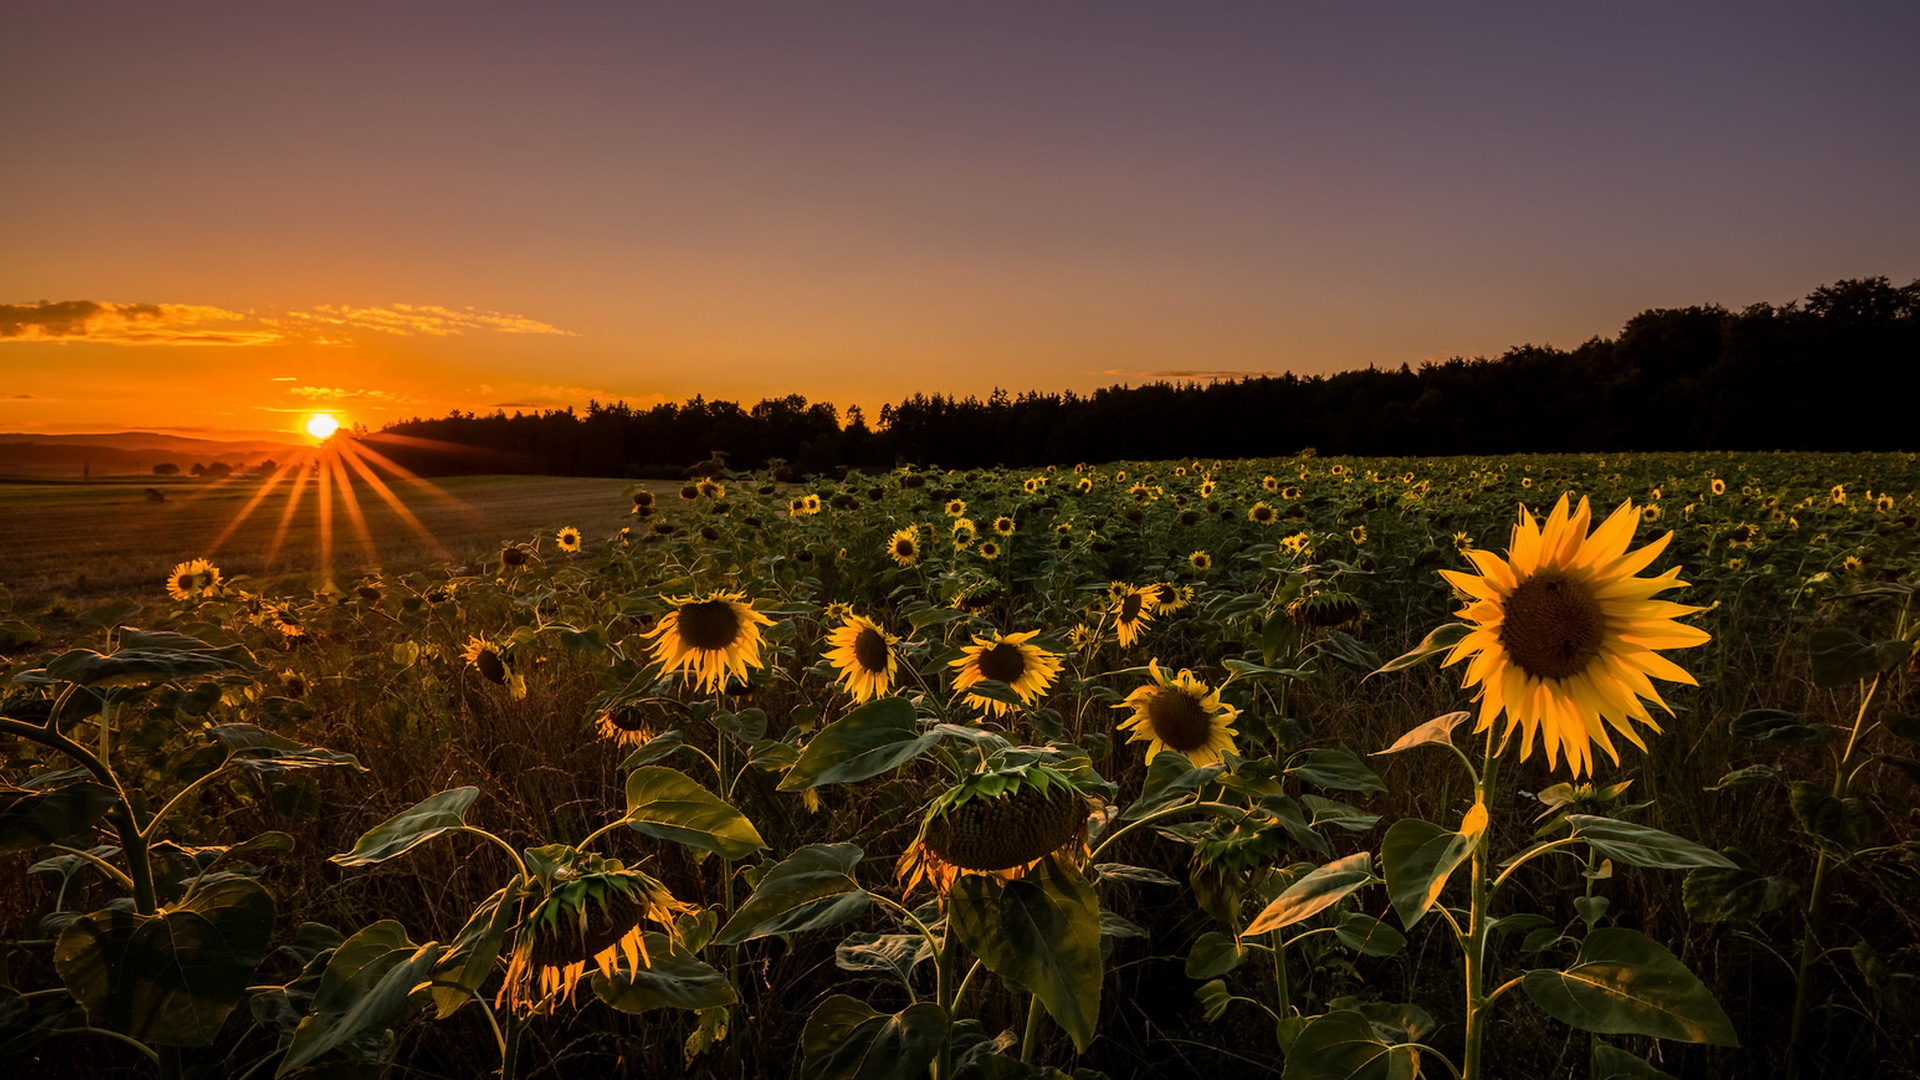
{"x": 406, "y": 320}
{"x": 335, "y": 393}
{"x": 284, "y": 378}
{"x": 1203, "y": 376}
{"x": 64, "y": 321}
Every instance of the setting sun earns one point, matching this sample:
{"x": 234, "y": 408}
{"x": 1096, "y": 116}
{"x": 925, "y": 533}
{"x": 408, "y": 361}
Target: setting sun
{"x": 322, "y": 425}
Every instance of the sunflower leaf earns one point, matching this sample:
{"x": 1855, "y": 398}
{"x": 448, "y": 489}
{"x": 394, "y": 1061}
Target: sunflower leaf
{"x": 812, "y": 888}
{"x": 1417, "y": 857}
{"x": 411, "y": 827}
{"x": 1437, "y": 730}
{"x": 1778, "y": 726}
{"x": 1625, "y": 983}
{"x": 1365, "y": 934}
{"x": 1344, "y": 1045}
{"x": 367, "y": 988}
{"x": 1337, "y": 768}
{"x": 846, "y": 1039}
{"x": 1314, "y": 893}
{"x": 671, "y": 805}
{"x": 29, "y": 819}
{"x": 1041, "y": 932}
{"x": 1613, "y": 1063}
{"x": 1838, "y": 656}
{"x": 1721, "y": 894}
{"x": 673, "y": 978}
{"x": 1439, "y": 640}
{"x": 467, "y": 962}
{"x": 877, "y": 737}
{"x": 1641, "y": 845}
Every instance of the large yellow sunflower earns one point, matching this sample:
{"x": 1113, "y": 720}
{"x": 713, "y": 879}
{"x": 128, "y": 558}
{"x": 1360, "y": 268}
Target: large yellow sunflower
{"x": 709, "y": 638}
{"x": 1181, "y": 714}
{"x": 1012, "y": 659}
{"x": 1131, "y": 614}
{"x": 863, "y": 655}
{"x": 1565, "y": 636}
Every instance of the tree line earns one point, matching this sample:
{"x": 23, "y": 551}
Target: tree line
{"x": 1838, "y": 371}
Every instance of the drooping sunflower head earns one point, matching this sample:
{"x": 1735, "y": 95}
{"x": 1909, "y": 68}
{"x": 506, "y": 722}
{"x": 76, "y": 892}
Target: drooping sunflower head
{"x": 583, "y": 915}
{"x": 709, "y": 638}
{"x": 1181, "y": 714}
{"x": 627, "y": 725}
{"x": 1565, "y": 637}
{"x": 486, "y": 658}
{"x": 1131, "y": 614}
{"x": 1326, "y": 608}
{"x": 904, "y": 546}
{"x": 1012, "y": 659}
{"x": 1025, "y": 805}
{"x": 513, "y": 557}
{"x": 864, "y": 656}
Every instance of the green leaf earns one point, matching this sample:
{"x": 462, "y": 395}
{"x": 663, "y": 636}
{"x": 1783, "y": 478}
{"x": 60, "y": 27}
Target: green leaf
{"x": 1041, "y": 932}
{"x": 1343, "y": 1045}
{"x": 1214, "y": 998}
{"x": 1331, "y": 812}
{"x": 671, "y": 805}
{"x": 673, "y": 978}
{"x": 1439, "y": 640}
{"x": 366, "y": 991}
{"x": 656, "y": 749}
{"x": 109, "y": 613}
{"x": 1417, "y": 857}
{"x": 173, "y": 978}
{"x": 1721, "y": 894}
{"x": 1839, "y": 656}
{"x": 1639, "y": 845}
{"x": 141, "y": 666}
{"x": 1131, "y": 875}
{"x": 1850, "y": 824}
{"x": 1338, "y": 768}
{"x": 897, "y": 953}
{"x": 1366, "y": 934}
{"x": 1342, "y": 646}
{"x": 1613, "y": 1063}
{"x": 260, "y": 750}
{"x": 933, "y": 616}
{"x": 1314, "y": 893}
{"x": 1215, "y": 954}
{"x": 411, "y": 827}
{"x": 1624, "y": 983}
{"x": 1437, "y": 730}
{"x": 468, "y": 961}
{"x": 812, "y": 888}
{"x": 877, "y": 737}
{"x": 1901, "y": 725}
{"x": 1170, "y": 778}
{"x": 994, "y": 690}
{"x": 846, "y": 1039}
{"x": 1752, "y": 774}
{"x": 1778, "y": 726}
{"x": 30, "y": 819}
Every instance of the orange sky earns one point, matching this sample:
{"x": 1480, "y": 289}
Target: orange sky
{"x": 225, "y": 215}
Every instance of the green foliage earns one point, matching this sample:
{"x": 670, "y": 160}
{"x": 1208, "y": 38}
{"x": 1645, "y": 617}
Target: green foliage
{"x": 845, "y": 1039}
{"x": 424, "y": 820}
{"x": 1040, "y": 932}
{"x": 669, "y": 804}
{"x": 1624, "y": 983}
{"x": 1416, "y": 858}
{"x": 808, "y": 890}
{"x": 875, "y": 738}
{"x": 672, "y": 978}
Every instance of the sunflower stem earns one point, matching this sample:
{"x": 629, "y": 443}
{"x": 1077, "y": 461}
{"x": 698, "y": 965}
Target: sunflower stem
{"x": 1810, "y": 951}
{"x": 1032, "y": 1033}
{"x": 1283, "y": 987}
{"x": 1474, "y": 946}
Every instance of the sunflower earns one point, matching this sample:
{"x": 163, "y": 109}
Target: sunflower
{"x": 1004, "y": 525}
{"x": 1839, "y": 494}
{"x": 863, "y": 655}
{"x": 1012, "y": 659}
{"x": 1167, "y": 597}
{"x": 197, "y": 578}
{"x": 1082, "y": 636}
{"x": 1564, "y": 636}
{"x": 1034, "y": 484}
{"x": 623, "y": 724}
{"x": 1261, "y": 514}
{"x": 1359, "y": 534}
{"x": 689, "y": 492}
{"x": 1742, "y": 535}
{"x": 988, "y": 550}
{"x": 1718, "y": 487}
{"x": 567, "y": 539}
{"x": 642, "y": 502}
{"x": 1462, "y": 543}
{"x": 1131, "y": 614}
{"x": 956, "y": 508}
{"x": 1181, "y": 714}
{"x": 1299, "y": 544}
{"x": 711, "y": 488}
{"x": 1270, "y": 483}
{"x": 1206, "y": 489}
{"x": 1200, "y": 561}
{"x": 1085, "y": 485}
{"x": 1002, "y": 821}
{"x": 709, "y": 638}
{"x": 1884, "y": 504}
{"x": 963, "y": 532}
{"x": 904, "y": 546}
{"x": 512, "y": 557}
{"x": 586, "y": 918}
{"x": 490, "y": 661}
{"x": 1289, "y": 492}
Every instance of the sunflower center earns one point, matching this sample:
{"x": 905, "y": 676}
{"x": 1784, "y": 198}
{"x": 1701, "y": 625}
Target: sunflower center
{"x": 870, "y": 650}
{"x": 709, "y": 624}
{"x": 1130, "y": 608}
{"x": 1003, "y": 663}
{"x": 903, "y": 547}
{"x": 1179, "y": 720}
{"x": 1553, "y": 627}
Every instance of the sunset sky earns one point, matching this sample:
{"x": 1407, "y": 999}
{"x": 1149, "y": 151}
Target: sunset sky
{"x": 226, "y": 216}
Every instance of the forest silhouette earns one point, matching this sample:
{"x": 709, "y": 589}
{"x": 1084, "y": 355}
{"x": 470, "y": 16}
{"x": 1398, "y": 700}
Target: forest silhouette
{"x": 1839, "y": 371}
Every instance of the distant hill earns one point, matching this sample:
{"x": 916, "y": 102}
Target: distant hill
{"x": 130, "y": 452}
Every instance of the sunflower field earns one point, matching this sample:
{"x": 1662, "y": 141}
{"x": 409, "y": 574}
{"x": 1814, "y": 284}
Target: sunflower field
{"x": 1325, "y": 769}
